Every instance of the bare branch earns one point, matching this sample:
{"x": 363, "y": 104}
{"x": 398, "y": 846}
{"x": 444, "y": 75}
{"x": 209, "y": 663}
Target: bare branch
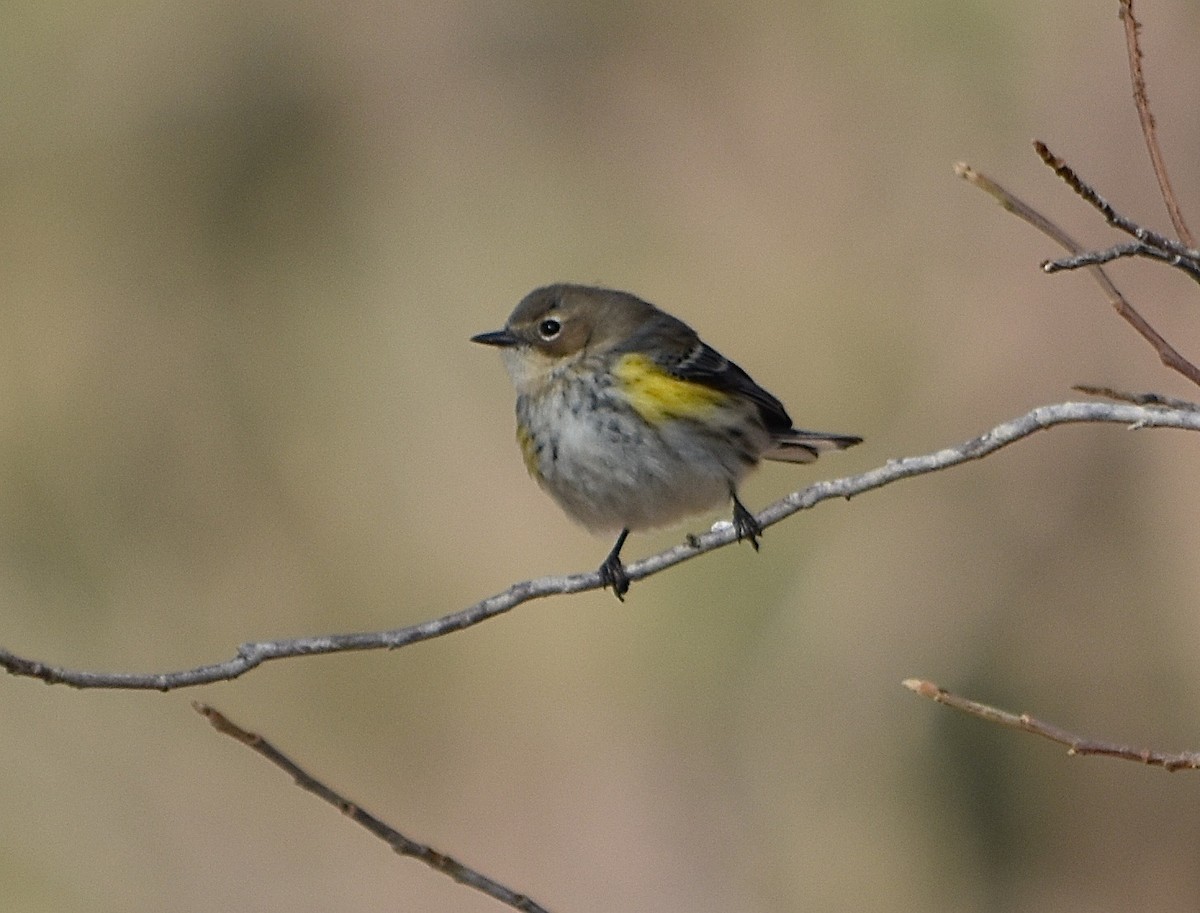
{"x": 1166, "y": 352}
{"x": 389, "y": 835}
{"x": 1141, "y": 100}
{"x": 252, "y": 655}
{"x": 1076, "y": 745}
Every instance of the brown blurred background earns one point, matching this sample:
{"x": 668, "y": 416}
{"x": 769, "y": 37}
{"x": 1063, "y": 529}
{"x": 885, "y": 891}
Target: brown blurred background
{"x": 243, "y": 246}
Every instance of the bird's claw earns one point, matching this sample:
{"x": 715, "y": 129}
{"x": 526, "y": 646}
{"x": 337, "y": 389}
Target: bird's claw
{"x": 612, "y": 574}
{"x": 745, "y": 526}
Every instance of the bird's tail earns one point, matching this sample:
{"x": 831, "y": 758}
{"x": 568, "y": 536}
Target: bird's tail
{"x": 799, "y": 446}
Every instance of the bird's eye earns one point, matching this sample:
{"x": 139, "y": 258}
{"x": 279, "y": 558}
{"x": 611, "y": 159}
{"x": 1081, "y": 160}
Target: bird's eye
{"x": 549, "y": 328}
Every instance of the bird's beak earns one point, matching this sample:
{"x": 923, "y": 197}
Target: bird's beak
{"x": 502, "y": 338}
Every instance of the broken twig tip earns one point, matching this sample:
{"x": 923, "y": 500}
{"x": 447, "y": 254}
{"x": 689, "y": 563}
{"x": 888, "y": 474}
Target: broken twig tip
{"x": 922, "y": 687}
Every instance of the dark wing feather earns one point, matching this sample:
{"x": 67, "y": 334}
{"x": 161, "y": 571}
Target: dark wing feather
{"x": 705, "y": 365}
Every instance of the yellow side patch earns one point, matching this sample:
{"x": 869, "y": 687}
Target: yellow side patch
{"x": 658, "y": 396}
{"x": 528, "y": 450}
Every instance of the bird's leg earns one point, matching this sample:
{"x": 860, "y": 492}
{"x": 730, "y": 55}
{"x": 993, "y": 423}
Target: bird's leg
{"x": 612, "y": 572}
{"x": 744, "y": 524}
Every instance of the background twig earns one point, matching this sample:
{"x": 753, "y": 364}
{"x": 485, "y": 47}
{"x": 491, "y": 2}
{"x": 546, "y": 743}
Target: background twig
{"x": 1138, "y": 399}
{"x": 389, "y": 835}
{"x": 1166, "y": 352}
{"x": 251, "y": 655}
{"x": 1076, "y": 745}
{"x": 1158, "y": 246}
{"x": 1187, "y": 263}
{"x": 1141, "y": 100}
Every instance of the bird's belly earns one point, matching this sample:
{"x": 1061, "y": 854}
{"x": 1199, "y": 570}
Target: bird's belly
{"x": 609, "y": 470}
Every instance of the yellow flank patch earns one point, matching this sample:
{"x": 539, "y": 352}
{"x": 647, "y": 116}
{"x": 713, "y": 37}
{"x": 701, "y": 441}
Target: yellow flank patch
{"x": 658, "y": 396}
{"x": 528, "y": 450}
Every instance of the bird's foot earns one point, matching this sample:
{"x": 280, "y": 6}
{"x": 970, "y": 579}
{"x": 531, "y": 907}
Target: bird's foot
{"x": 612, "y": 571}
{"x": 612, "y": 574}
{"x": 745, "y": 526}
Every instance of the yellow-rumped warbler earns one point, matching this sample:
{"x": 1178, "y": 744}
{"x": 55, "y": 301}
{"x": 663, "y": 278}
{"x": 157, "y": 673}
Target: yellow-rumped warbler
{"x": 629, "y": 421}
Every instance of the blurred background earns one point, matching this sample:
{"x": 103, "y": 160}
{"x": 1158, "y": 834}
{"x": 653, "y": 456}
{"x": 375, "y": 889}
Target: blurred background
{"x": 244, "y": 245}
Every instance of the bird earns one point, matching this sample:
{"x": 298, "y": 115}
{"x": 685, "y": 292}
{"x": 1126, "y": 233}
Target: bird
{"x": 630, "y": 421}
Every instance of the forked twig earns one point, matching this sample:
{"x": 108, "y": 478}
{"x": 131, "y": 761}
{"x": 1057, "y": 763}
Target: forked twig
{"x": 389, "y": 835}
{"x": 1158, "y": 246}
{"x": 1009, "y": 201}
{"x": 1076, "y": 745}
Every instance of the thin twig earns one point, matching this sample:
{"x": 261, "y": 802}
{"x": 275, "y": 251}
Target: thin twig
{"x": 1018, "y": 207}
{"x": 1188, "y": 264}
{"x": 1138, "y": 399}
{"x": 1076, "y": 745}
{"x": 1166, "y": 352}
{"x": 252, "y": 655}
{"x": 1095, "y": 257}
{"x": 389, "y": 835}
{"x": 1141, "y": 100}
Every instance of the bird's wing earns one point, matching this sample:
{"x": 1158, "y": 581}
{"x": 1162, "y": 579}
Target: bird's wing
{"x": 703, "y": 364}
{"x": 677, "y": 349}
